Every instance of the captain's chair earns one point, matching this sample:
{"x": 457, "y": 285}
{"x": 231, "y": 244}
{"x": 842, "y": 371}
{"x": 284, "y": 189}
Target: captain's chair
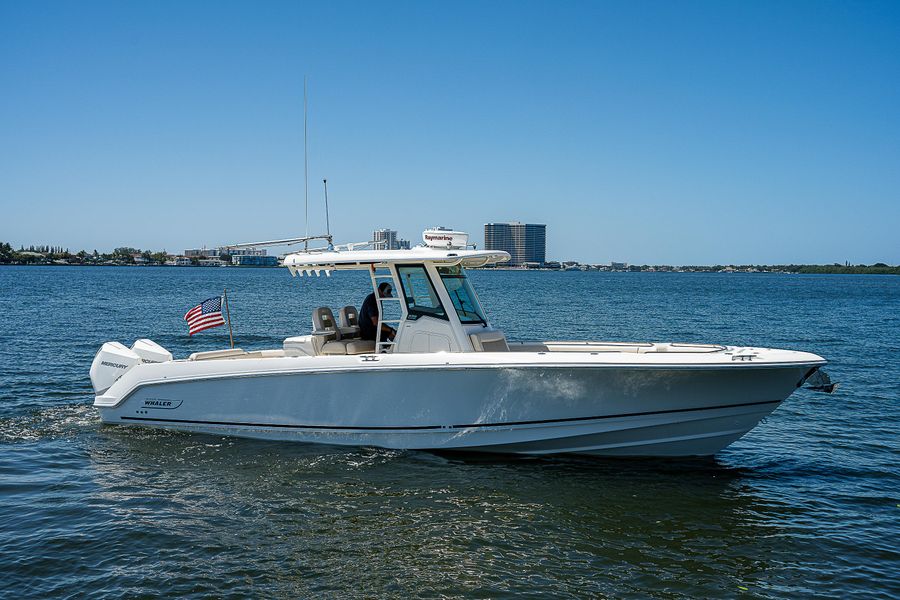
{"x": 328, "y": 339}
{"x": 349, "y": 322}
{"x": 326, "y": 332}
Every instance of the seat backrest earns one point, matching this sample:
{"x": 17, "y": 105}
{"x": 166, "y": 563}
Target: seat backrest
{"x": 489, "y": 341}
{"x": 349, "y": 317}
{"x": 323, "y": 321}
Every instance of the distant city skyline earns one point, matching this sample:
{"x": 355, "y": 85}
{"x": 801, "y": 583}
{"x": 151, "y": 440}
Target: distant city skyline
{"x": 642, "y": 132}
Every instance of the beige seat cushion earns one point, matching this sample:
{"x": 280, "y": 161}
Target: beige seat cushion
{"x": 489, "y": 341}
{"x": 360, "y": 346}
{"x": 213, "y": 354}
{"x": 334, "y": 348}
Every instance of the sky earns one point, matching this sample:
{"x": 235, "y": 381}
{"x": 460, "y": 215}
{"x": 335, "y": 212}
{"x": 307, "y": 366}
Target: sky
{"x": 662, "y": 132}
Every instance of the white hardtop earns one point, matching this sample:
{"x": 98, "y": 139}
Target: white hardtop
{"x": 330, "y": 260}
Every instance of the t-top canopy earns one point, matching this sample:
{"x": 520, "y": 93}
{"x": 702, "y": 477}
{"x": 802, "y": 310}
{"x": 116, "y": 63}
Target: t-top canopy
{"x": 313, "y": 261}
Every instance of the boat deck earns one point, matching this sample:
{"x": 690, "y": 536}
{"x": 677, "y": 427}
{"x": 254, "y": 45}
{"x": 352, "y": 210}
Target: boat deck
{"x": 536, "y": 349}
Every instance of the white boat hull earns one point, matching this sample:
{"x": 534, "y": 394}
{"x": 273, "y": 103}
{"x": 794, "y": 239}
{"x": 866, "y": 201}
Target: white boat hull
{"x": 532, "y": 405}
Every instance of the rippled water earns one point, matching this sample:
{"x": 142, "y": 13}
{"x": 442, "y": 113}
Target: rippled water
{"x": 808, "y": 504}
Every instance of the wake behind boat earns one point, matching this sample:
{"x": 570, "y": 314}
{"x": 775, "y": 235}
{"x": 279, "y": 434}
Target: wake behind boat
{"x": 449, "y": 380}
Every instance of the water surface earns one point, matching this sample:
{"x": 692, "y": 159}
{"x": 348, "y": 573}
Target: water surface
{"x": 808, "y": 504}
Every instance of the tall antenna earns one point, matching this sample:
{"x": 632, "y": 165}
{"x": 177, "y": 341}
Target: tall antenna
{"x": 327, "y": 223}
{"x": 306, "y": 155}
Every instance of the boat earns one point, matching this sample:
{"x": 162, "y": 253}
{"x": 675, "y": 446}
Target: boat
{"x": 449, "y": 380}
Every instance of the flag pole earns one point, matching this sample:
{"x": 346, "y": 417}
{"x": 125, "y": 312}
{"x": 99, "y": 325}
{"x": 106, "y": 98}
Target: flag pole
{"x": 228, "y": 314}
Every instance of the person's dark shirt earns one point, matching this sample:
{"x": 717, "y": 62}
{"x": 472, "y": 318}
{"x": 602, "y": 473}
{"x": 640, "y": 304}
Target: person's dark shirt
{"x": 369, "y": 310}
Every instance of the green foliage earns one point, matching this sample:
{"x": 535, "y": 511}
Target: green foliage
{"x": 125, "y": 254}
{"x": 44, "y": 254}
{"x": 876, "y": 269}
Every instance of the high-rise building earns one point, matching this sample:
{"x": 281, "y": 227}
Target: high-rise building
{"x": 525, "y": 242}
{"x": 386, "y": 239}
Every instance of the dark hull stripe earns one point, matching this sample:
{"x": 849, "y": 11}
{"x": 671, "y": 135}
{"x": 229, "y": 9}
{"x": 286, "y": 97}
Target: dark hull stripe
{"x": 468, "y": 426}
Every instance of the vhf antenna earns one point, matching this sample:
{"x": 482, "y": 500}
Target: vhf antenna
{"x": 327, "y": 222}
{"x": 306, "y": 159}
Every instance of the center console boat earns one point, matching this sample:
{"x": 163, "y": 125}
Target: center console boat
{"x": 450, "y": 380}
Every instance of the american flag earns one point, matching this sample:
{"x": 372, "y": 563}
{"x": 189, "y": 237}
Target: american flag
{"x": 205, "y": 315}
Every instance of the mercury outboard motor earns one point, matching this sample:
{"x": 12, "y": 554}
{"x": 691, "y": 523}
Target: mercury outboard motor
{"x": 114, "y": 360}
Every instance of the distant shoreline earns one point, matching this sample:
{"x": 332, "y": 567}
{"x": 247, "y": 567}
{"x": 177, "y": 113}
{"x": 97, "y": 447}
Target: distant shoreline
{"x": 731, "y": 269}
{"x": 57, "y": 256}
{"x": 51, "y": 264}
{"x": 725, "y": 270}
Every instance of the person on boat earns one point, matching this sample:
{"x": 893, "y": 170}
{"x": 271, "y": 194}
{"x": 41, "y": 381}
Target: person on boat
{"x": 368, "y": 315}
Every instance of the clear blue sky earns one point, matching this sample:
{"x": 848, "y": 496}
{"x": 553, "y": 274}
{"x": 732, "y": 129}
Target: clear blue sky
{"x": 648, "y": 132}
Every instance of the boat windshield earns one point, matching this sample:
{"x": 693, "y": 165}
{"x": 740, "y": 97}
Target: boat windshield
{"x": 462, "y": 295}
{"x": 421, "y": 299}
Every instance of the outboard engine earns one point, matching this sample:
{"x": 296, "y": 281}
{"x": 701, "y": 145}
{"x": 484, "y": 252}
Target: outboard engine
{"x": 112, "y": 361}
{"x": 151, "y": 352}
